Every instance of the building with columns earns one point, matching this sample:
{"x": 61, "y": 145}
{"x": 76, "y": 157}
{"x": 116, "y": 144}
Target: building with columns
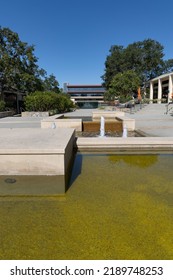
{"x": 161, "y": 88}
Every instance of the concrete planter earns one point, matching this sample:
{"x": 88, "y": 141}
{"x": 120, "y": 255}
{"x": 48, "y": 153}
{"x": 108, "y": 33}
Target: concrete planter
{"x": 37, "y": 152}
{"x": 35, "y": 114}
{"x": 6, "y": 114}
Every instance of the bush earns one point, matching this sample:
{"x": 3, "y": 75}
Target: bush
{"x": 2, "y": 106}
{"x": 47, "y": 101}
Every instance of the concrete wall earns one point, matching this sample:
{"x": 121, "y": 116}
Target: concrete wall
{"x": 35, "y": 114}
{"x": 32, "y": 164}
{"x": 47, "y": 152}
{"x": 106, "y": 114}
{"x": 6, "y": 114}
{"x": 128, "y": 123}
{"x": 129, "y": 145}
{"x": 62, "y": 123}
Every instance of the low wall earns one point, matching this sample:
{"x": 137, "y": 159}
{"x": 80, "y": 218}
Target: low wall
{"x": 110, "y": 125}
{"x": 127, "y": 122}
{"x": 129, "y": 145}
{"x": 106, "y": 114}
{"x": 6, "y": 114}
{"x": 58, "y": 122}
{"x": 47, "y": 152}
{"x": 118, "y": 115}
{"x": 35, "y": 114}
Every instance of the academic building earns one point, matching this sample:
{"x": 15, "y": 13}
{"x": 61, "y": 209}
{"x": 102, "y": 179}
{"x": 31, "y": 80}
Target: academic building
{"x": 161, "y": 88}
{"x": 85, "y": 96}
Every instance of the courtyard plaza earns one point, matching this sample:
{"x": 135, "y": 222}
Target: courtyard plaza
{"x": 137, "y": 212}
{"x": 152, "y": 119}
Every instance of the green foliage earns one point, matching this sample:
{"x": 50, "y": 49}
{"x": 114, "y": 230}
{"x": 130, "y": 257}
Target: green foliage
{"x": 123, "y": 85}
{"x": 143, "y": 57}
{"x": 47, "y": 101}
{"x": 51, "y": 84}
{"x": 2, "y": 106}
{"x": 18, "y": 66}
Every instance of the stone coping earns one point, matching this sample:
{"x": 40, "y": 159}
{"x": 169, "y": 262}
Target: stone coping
{"x": 6, "y": 114}
{"x": 119, "y": 144}
{"x": 34, "y": 114}
{"x": 129, "y": 123}
{"x": 60, "y": 122}
{"x": 53, "y": 117}
{"x": 47, "y": 152}
{"x": 34, "y": 140}
{"x": 106, "y": 114}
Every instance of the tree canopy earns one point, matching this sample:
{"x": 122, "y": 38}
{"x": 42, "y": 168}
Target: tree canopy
{"x": 146, "y": 58}
{"x": 123, "y": 86}
{"x": 19, "y": 70}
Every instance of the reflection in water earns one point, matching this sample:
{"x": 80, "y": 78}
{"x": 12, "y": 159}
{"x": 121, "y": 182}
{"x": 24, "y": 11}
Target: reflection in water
{"x": 140, "y": 161}
{"x": 111, "y": 211}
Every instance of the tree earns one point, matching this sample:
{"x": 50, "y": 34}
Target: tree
{"x": 51, "y": 84}
{"x": 18, "y": 66}
{"x": 114, "y": 64}
{"x": 123, "y": 85}
{"x": 143, "y": 57}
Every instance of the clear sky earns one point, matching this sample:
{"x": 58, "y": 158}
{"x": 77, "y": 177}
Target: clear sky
{"x": 72, "y": 37}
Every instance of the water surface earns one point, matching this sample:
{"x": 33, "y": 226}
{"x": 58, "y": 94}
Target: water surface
{"x": 117, "y": 207}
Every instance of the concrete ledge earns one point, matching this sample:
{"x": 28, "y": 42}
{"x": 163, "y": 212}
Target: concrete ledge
{"x": 53, "y": 117}
{"x": 106, "y": 114}
{"x": 6, "y": 114}
{"x": 35, "y": 151}
{"x": 123, "y": 145}
{"x": 59, "y": 122}
{"x": 34, "y": 114}
{"x": 127, "y": 122}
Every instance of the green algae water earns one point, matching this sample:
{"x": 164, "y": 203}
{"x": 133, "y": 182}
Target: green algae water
{"x": 116, "y": 207}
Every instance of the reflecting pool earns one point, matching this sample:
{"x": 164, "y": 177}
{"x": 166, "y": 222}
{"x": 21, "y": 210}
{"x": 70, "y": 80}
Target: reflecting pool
{"x": 117, "y": 207}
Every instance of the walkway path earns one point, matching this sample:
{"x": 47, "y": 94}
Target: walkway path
{"x": 151, "y": 119}
{"x": 20, "y": 122}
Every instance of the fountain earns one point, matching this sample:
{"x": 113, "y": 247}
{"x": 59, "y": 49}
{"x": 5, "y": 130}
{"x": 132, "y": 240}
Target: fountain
{"x": 124, "y": 131}
{"x": 53, "y": 125}
{"x": 98, "y": 184}
{"x": 102, "y": 127}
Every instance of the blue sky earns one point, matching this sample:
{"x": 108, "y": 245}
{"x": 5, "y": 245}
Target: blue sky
{"x": 72, "y": 37}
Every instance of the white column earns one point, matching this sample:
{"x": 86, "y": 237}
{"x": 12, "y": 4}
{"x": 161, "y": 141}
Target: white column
{"x": 159, "y": 90}
{"x": 170, "y": 94}
{"x": 151, "y": 91}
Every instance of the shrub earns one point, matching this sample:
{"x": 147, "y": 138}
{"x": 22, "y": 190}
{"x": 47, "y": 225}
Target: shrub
{"x": 2, "y": 106}
{"x": 47, "y": 101}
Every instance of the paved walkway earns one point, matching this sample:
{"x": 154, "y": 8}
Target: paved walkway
{"x": 20, "y": 122}
{"x": 151, "y": 119}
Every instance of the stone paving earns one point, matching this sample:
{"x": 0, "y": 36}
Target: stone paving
{"x": 20, "y": 122}
{"x": 151, "y": 119}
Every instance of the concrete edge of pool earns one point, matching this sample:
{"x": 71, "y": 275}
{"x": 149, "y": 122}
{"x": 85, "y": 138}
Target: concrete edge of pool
{"x": 123, "y": 145}
{"x": 37, "y": 152}
{"x": 50, "y": 152}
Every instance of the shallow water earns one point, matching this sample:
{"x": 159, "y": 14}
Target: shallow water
{"x": 117, "y": 207}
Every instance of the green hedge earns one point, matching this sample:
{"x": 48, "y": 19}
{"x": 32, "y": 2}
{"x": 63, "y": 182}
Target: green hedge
{"x": 2, "y": 106}
{"x": 47, "y": 101}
